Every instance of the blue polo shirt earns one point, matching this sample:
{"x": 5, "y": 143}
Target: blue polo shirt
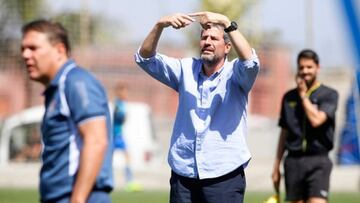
{"x": 73, "y": 97}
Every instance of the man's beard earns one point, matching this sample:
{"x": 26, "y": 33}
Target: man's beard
{"x": 208, "y": 59}
{"x": 310, "y": 82}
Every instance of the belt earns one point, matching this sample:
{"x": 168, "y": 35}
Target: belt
{"x": 239, "y": 170}
{"x": 301, "y": 153}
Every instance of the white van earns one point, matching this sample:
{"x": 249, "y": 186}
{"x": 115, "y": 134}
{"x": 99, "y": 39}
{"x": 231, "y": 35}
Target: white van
{"x": 20, "y": 136}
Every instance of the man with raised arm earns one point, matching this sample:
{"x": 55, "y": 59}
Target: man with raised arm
{"x": 208, "y": 150}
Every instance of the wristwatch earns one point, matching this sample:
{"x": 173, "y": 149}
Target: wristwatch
{"x": 233, "y": 26}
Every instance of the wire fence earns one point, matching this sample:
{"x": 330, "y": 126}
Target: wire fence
{"x": 93, "y": 47}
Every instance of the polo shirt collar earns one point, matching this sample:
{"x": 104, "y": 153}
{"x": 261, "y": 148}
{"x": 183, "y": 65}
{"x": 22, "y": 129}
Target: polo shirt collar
{"x": 55, "y": 81}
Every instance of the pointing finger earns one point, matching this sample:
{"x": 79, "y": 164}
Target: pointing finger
{"x": 187, "y": 17}
{"x": 196, "y": 14}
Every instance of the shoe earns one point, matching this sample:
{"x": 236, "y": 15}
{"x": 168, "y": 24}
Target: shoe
{"x": 133, "y": 187}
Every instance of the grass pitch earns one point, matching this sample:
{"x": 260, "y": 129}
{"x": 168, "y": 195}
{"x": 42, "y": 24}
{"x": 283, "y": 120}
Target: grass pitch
{"x": 31, "y": 196}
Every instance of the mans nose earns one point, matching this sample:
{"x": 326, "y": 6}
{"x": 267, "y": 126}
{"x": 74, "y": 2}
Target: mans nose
{"x": 208, "y": 40}
{"x": 306, "y": 70}
{"x": 26, "y": 53}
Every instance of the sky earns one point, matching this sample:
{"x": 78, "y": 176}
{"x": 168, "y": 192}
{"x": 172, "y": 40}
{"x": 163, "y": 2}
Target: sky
{"x": 329, "y": 34}
{"x": 329, "y": 31}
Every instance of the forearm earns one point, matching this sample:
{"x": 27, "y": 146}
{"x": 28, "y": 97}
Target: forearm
{"x": 280, "y": 149}
{"x": 148, "y": 47}
{"x": 276, "y": 177}
{"x": 91, "y": 159}
{"x": 240, "y": 45}
{"x": 92, "y": 154}
{"x": 315, "y": 116}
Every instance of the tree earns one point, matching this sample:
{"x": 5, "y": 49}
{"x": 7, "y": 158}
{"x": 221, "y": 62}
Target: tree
{"x": 93, "y": 30}
{"x": 233, "y": 9}
{"x": 13, "y": 14}
{"x": 28, "y": 9}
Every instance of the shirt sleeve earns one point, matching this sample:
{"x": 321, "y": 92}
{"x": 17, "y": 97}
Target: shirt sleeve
{"x": 165, "y": 69}
{"x": 282, "y": 119}
{"x": 86, "y": 97}
{"x": 329, "y": 104}
{"x": 245, "y": 72}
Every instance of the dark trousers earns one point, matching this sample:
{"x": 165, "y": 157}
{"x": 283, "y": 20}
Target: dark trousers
{"x": 229, "y": 188}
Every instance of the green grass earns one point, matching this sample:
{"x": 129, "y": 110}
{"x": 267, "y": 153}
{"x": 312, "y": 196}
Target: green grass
{"x": 18, "y": 195}
{"x": 140, "y": 197}
{"x": 31, "y": 196}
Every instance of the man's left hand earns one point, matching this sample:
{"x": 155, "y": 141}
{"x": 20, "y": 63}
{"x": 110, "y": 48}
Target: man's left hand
{"x": 207, "y": 18}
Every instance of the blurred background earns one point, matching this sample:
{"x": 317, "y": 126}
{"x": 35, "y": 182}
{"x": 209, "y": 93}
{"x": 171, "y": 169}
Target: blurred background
{"x": 106, "y": 34}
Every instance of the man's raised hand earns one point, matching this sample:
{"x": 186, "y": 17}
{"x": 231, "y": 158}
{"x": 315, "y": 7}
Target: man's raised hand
{"x": 177, "y": 20}
{"x": 206, "y": 18}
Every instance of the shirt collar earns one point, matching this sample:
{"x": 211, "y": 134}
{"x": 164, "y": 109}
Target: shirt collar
{"x": 201, "y": 72}
{"x": 313, "y": 89}
{"x": 55, "y": 81}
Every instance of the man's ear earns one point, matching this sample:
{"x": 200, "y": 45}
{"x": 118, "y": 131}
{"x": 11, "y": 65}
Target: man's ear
{"x": 227, "y": 48}
{"x": 60, "y": 47}
{"x": 317, "y": 68}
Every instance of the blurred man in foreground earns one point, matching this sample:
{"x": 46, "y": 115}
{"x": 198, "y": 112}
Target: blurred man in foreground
{"x": 76, "y": 128}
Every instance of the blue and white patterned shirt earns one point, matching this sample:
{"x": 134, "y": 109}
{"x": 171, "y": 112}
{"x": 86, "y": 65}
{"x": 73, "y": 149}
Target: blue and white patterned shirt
{"x": 209, "y": 134}
{"x": 74, "y": 96}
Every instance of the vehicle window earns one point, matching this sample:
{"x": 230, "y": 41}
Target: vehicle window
{"x": 25, "y": 144}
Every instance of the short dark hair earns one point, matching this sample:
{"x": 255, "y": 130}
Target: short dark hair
{"x": 308, "y": 54}
{"x": 220, "y": 27}
{"x": 54, "y": 31}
